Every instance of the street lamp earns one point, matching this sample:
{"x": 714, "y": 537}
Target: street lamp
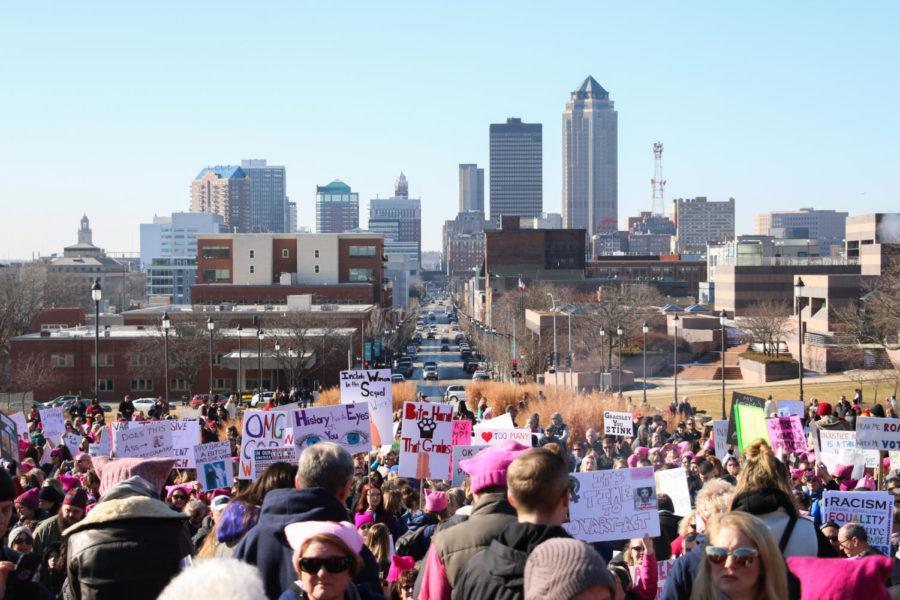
{"x": 644, "y": 330}
{"x": 240, "y": 331}
{"x": 619, "y": 333}
{"x": 571, "y": 358}
{"x": 675, "y": 356}
{"x": 555, "y": 361}
{"x": 800, "y": 285}
{"x": 166, "y": 324}
{"x": 723, "y": 317}
{"x": 96, "y": 295}
{"x": 602, "y": 333}
{"x": 259, "y": 338}
{"x": 277, "y": 360}
{"x": 210, "y": 325}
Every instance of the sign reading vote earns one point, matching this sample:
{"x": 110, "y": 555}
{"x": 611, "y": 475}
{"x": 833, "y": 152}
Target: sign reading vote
{"x": 875, "y": 433}
{"x": 617, "y": 423}
{"x": 612, "y": 505}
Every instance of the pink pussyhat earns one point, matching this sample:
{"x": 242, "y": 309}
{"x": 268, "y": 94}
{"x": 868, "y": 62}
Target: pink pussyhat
{"x": 435, "y": 502}
{"x": 866, "y": 483}
{"x": 399, "y": 564}
{"x": 362, "y": 518}
{"x": 633, "y": 460}
{"x": 488, "y": 468}
{"x": 684, "y": 447}
{"x": 298, "y": 533}
{"x": 68, "y": 481}
{"x": 643, "y": 451}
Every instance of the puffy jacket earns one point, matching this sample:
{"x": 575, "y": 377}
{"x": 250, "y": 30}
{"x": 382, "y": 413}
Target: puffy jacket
{"x": 770, "y": 505}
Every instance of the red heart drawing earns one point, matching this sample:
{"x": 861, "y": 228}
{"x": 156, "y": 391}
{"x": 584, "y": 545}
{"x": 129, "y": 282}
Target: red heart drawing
{"x": 486, "y": 436}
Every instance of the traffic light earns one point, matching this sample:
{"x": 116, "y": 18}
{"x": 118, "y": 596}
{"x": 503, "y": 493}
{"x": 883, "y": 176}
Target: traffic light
{"x": 568, "y": 362}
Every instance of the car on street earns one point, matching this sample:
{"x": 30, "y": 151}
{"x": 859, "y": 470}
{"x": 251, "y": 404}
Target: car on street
{"x": 445, "y": 347}
{"x": 431, "y": 373}
{"x": 256, "y": 400}
{"x": 145, "y": 404}
{"x": 470, "y": 366}
{"x": 480, "y": 376}
{"x": 397, "y": 378}
{"x": 455, "y": 393}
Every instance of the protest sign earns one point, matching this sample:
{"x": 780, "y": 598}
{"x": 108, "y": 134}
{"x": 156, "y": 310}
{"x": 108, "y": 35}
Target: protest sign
{"x": 490, "y": 437}
{"x": 874, "y": 433}
{"x": 9, "y": 439}
{"x": 786, "y": 433}
{"x": 790, "y": 408}
{"x": 617, "y": 423}
{"x": 720, "y": 438}
{"x": 462, "y": 432}
{"x": 673, "y": 483}
{"x": 612, "y": 505}
{"x": 262, "y": 430}
{"x": 457, "y": 475}
{"x": 895, "y": 460}
{"x": 72, "y": 441}
{"x": 426, "y": 438}
{"x": 839, "y": 448}
{"x": 750, "y": 424}
{"x": 873, "y": 510}
{"x": 21, "y": 425}
{"x": 740, "y": 399}
{"x": 150, "y": 439}
{"x": 373, "y": 386}
{"x": 346, "y": 425}
{"x": 663, "y": 568}
{"x": 185, "y": 436}
{"x": 264, "y": 457}
{"x": 102, "y": 446}
{"x": 504, "y": 421}
{"x": 213, "y": 460}
{"x": 53, "y": 423}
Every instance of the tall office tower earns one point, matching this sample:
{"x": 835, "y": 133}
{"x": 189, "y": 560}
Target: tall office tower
{"x": 471, "y": 188}
{"x": 516, "y": 178}
{"x": 267, "y": 192}
{"x": 699, "y": 222}
{"x": 401, "y": 187}
{"x": 399, "y": 218}
{"x": 337, "y": 208}
{"x": 291, "y": 217}
{"x": 590, "y": 160}
{"x": 224, "y": 190}
{"x": 828, "y": 227}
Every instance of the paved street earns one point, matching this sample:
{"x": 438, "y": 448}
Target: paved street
{"x": 450, "y": 367}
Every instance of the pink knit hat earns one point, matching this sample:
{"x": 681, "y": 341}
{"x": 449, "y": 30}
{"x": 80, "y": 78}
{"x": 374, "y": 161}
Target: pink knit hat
{"x": 488, "y": 467}
{"x": 842, "y": 471}
{"x": 838, "y": 578}
{"x": 362, "y": 518}
{"x": 399, "y": 564}
{"x": 642, "y": 451}
{"x": 68, "y": 481}
{"x": 298, "y": 533}
{"x": 435, "y": 502}
{"x": 684, "y": 447}
{"x": 866, "y": 483}
{"x": 29, "y": 498}
{"x": 633, "y": 460}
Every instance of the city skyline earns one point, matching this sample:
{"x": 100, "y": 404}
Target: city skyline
{"x": 738, "y": 120}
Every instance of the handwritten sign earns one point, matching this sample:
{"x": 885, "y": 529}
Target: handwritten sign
{"x": 72, "y": 442}
{"x": 185, "y": 436}
{"x": 491, "y": 437}
{"x": 373, "y": 386}
{"x": 839, "y": 448}
{"x": 617, "y": 423}
{"x": 504, "y": 421}
{"x": 873, "y": 510}
{"x": 720, "y": 438}
{"x": 457, "y": 475}
{"x": 213, "y": 460}
{"x": 150, "y": 439}
{"x": 9, "y": 439}
{"x": 875, "y": 433}
{"x": 790, "y": 408}
{"x": 663, "y": 568}
{"x": 21, "y": 425}
{"x": 263, "y": 458}
{"x": 673, "y": 483}
{"x": 786, "y": 433}
{"x": 426, "y": 439}
{"x": 53, "y": 423}
{"x": 613, "y": 505}
{"x": 462, "y": 432}
{"x": 262, "y": 430}
{"x": 346, "y": 425}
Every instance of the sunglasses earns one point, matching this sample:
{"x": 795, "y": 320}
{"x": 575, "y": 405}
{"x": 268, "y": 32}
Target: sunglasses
{"x": 740, "y": 557}
{"x": 637, "y": 548}
{"x": 179, "y": 497}
{"x": 333, "y": 564}
{"x": 831, "y": 538}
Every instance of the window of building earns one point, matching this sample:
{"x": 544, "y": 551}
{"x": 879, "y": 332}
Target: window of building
{"x": 362, "y": 275}
{"x": 362, "y": 250}
{"x": 106, "y": 360}
{"x": 252, "y": 254}
{"x": 285, "y": 253}
{"x": 317, "y": 254}
{"x": 213, "y": 275}
{"x": 142, "y": 385}
{"x": 221, "y": 383}
{"x": 62, "y": 361}
{"x": 252, "y": 269}
{"x": 215, "y": 252}
{"x": 106, "y": 385}
{"x": 217, "y": 359}
{"x": 180, "y": 385}
{"x": 138, "y": 360}
{"x": 317, "y": 268}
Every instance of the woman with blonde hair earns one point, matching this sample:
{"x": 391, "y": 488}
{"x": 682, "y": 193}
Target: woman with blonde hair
{"x": 741, "y": 562}
{"x": 378, "y": 540}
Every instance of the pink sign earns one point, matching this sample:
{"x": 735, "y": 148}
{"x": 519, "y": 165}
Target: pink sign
{"x": 462, "y": 432}
{"x": 786, "y": 433}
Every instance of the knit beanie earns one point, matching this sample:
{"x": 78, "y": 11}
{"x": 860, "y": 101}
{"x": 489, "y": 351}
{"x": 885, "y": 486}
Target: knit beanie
{"x": 435, "y": 502}
{"x": 839, "y": 578}
{"x": 49, "y": 493}
{"x": 824, "y": 409}
{"x": 561, "y": 568}
{"x": 29, "y": 498}
{"x": 76, "y": 497}
{"x": 362, "y": 518}
{"x": 488, "y": 468}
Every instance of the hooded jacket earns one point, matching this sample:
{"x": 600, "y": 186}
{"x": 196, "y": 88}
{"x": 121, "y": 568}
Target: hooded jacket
{"x": 770, "y": 506}
{"x": 498, "y": 572}
{"x": 266, "y": 547}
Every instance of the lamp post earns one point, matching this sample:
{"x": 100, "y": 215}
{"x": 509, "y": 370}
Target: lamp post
{"x": 571, "y": 358}
{"x": 675, "y": 356}
{"x": 799, "y": 286}
{"x": 555, "y": 360}
{"x": 166, "y": 324}
{"x": 259, "y": 338}
{"x": 619, "y": 333}
{"x": 240, "y": 331}
{"x": 96, "y": 294}
{"x": 277, "y": 361}
{"x": 722, "y": 318}
{"x": 644, "y": 330}
{"x": 210, "y": 325}
{"x": 602, "y": 333}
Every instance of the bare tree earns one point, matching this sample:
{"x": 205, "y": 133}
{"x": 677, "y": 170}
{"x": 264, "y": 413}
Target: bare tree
{"x": 21, "y": 299}
{"x": 625, "y": 305}
{"x": 31, "y": 368}
{"x": 305, "y": 346}
{"x": 768, "y": 323}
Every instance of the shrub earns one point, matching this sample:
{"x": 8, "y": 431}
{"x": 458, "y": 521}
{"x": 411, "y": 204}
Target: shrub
{"x": 766, "y": 358}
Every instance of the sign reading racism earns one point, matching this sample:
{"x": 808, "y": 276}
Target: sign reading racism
{"x": 426, "y": 439}
{"x": 613, "y": 505}
{"x": 873, "y": 510}
{"x": 374, "y": 387}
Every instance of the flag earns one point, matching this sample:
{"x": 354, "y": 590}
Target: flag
{"x": 521, "y": 285}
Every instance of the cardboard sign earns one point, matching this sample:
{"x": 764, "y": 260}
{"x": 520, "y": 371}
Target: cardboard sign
{"x": 873, "y": 510}
{"x": 462, "y": 432}
{"x": 102, "y": 447}
{"x": 790, "y": 408}
{"x": 346, "y": 425}
{"x": 750, "y": 425}
{"x": 150, "y": 439}
{"x": 9, "y": 438}
{"x": 740, "y": 399}
{"x": 185, "y": 436}
{"x": 490, "y": 437}
{"x": 72, "y": 441}
{"x": 618, "y": 424}
{"x": 373, "y": 386}
{"x": 874, "y": 433}
{"x": 213, "y": 460}
{"x": 786, "y": 433}
{"x": 504, "y": 421}
{"x": 21, "y": 425}
{"x": 839, "y": 448}
{"x": 673, "y": 483}
{"x": 263, "y": 458}
{"x": 720, "y": 438}
{"x": 262, "y": 430}
{"x": 457, "y": 475}
{"x": 53, "y": 423}
{"x": 612, "y": 505}
{"x": 426, "y": 439}
{"x": 663, "y": 568}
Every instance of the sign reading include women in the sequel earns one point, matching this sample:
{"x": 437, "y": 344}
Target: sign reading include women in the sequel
{"x": 373, "y": 386}
{"x": 612, "y": 505}
{"x": 426, "y": 440}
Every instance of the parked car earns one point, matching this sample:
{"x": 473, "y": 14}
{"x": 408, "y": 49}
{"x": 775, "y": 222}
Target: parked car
{"x": 445, "y": 347}
{"x": 397, "y": 378}
{"x": 455, "y": 393}
{"x": 145, "y": 404}
{"x": 470, "y": 366}
{"x": 431, "y": 373}
{"x": 480, "y": 376}
{"x": 256, "y": 400}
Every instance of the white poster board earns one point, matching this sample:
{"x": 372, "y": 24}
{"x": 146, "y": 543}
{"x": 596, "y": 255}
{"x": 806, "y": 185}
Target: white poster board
{"x": 263, "y": 458}
{"x": 426, "y": 437}
{"x": 504, "y": 421}
{"x": 346, "y": 425}
{"x": 72, "y": 441}
{"x": 185, "y": 436}
{"x": 873, "y": 510}
{"x": 720, "y": 438}
{"x": 490, "y": 437}
{"x": 839, "y": 448}
{"x": 673, "y": 483}
{"x": 618, "y": 424}
{"x": 213, "y": 460}
{"x": 875, "y": 433}
{"x": 21, "y": 425}
{"x": 457, "y": 475}
{"x": 613, "y": 505}
{"x": 663, "y": 568}
{"x": 374, "y": 387}
{"x": 262, "y": 429}
{"x": 149, "y": 440}
{"x": 53, "y": 423}
{"x": 790, "y": 408}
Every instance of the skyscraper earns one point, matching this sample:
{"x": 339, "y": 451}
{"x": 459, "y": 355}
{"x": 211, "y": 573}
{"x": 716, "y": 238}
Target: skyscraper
{"x": 516, "y": 178}
{"x": 590, "y": 160}
{"x": 471, "y": 188}
{"x": 337, "y": 208}
{"x": 699, "y": 222}
{"x": 401, "y": 187}
{"x": 224, "y": 190}
{"x": 267, "y": 193}
{"x": 399, "y": 218}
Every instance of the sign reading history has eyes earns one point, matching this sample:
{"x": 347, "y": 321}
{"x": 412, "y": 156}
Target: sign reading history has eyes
{"x": 346, "y": 425}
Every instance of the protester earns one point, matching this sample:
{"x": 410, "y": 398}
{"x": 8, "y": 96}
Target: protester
{"x": 639, "y": 553}
{"x": 217, "y": 578}
{"x": 326, "y": 558}
{"x": 854, "y": 541}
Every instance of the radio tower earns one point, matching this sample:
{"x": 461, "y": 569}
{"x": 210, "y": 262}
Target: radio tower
{"x": 658, "y": 183}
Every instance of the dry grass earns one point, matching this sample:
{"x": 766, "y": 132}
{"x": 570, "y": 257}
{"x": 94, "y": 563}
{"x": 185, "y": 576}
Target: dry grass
{"x": 402, "y": 392}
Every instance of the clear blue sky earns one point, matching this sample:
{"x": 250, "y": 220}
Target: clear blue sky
{"x": 111, "y": 108}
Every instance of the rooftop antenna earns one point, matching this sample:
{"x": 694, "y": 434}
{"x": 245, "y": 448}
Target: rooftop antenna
{"x": 658, "y": 184}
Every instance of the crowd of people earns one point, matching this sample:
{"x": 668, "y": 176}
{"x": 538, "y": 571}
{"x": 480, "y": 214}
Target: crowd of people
{"x": 333, "y": 526}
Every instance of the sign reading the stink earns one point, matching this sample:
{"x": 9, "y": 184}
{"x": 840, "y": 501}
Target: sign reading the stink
{"x": 426, "y": 440}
